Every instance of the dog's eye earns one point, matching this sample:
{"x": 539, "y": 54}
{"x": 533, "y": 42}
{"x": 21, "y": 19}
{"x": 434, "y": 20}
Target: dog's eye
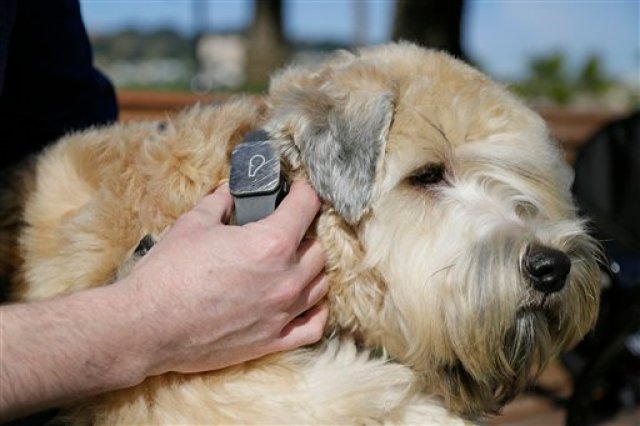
{"x": 429, "y": 175}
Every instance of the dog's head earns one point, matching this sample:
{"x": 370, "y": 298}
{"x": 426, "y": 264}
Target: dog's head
{"x": 451, "y": 234}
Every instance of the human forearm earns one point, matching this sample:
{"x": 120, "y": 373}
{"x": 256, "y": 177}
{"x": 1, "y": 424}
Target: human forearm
{"x": 67, "y": 348}
{"x": 207, "y": 296}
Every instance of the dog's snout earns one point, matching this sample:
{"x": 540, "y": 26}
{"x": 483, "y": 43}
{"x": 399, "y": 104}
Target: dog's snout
{"x": 547, "y": 268}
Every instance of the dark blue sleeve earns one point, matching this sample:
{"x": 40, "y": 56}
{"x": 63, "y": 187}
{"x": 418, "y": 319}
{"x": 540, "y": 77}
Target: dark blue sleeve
{"x": 7, "y": 17}
{"x": 50, "y": 84}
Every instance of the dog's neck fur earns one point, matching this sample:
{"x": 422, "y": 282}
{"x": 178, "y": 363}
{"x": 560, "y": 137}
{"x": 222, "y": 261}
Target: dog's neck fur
{"x": 344, "y": 257}
{"x": 349, "y": 282}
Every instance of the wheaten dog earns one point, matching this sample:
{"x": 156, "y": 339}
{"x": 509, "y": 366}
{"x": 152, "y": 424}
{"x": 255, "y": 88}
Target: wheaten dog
{"x": 452, "y": 241}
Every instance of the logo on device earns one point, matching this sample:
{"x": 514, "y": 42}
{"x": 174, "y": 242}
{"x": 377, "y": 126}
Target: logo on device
{"x": 256, "y": 163}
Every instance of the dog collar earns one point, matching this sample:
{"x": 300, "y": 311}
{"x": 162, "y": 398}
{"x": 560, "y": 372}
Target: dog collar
{"x": 256, "y": 181}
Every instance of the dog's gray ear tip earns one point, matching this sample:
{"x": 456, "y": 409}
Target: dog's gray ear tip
{"x": 349, "y": 218}
{"x": 351, "y": 214}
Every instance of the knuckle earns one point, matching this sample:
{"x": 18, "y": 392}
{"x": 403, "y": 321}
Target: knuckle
{"x": 276, "y": 245}
{"x": 280, "y": 322}
{"x": 286, "y": 293}
{"x": 270, "y": 332}
{"x": 192, "y": 219}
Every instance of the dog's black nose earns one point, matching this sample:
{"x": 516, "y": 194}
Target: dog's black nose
{"x": 547, "y": 268}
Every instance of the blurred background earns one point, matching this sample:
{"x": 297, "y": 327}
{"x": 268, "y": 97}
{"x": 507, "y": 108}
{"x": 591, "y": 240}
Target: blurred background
{"x": 578, "y": 62}
{"x": 569, "y": 53}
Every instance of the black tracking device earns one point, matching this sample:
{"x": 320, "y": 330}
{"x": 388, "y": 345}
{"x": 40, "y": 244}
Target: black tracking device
{"x": 256, "y": 181}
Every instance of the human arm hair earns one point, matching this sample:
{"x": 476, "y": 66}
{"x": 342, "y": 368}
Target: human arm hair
{"x": 57, "y": 350}
{"x": 206, "y": 296}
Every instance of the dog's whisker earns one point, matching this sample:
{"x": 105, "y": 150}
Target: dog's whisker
{"x": 580, "y": 260}
{"x": 430, "y": 277}
{"x": 544, "y": 300}
{"x": 430, "y": 122}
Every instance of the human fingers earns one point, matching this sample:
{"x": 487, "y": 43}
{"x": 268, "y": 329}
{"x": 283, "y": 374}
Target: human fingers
{"x": 296, "y": 212}
{"x": 310, "y": 260}
{"x": 310, "y": 296}
{"x": 304, "y": 329}
{"x": 217, "y": 205}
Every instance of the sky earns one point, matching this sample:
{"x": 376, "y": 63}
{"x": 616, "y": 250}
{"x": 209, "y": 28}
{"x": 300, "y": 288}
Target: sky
{"x": 502, "y": 35}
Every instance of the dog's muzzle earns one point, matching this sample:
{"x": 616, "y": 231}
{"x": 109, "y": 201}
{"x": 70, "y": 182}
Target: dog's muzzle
{"x": 546, "y": 268}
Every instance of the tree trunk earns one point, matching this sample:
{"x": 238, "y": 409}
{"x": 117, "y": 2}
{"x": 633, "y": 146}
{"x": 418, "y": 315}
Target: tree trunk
{"x": 267, "y": 48}
{"x": 430, "y": 23}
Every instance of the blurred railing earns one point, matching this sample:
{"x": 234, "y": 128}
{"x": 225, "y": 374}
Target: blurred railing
{"x": 138, "y": 105}
{"x": 571, "y": 127}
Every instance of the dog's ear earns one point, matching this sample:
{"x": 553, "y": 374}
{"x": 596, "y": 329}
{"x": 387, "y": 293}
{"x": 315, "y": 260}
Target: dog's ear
{"x": 342, "y": 150}
{"x": 339, "y": 125}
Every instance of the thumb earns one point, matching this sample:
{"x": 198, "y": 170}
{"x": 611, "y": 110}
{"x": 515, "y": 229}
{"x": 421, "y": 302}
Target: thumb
{"x": 217, "y": 205}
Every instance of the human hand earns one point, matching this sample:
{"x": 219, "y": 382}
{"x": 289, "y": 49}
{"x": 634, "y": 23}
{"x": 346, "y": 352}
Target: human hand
{"x": 213, "y": 295}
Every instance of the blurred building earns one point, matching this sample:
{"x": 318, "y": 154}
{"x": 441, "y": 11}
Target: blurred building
{"x": 222, "y": 62}
{"x": 149, "y": 72}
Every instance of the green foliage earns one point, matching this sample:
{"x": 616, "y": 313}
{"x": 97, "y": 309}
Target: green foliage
{"x": 592, "y": 78}
{"x": 550, "y": 79}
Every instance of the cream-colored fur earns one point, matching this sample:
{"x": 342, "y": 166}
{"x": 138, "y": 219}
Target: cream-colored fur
{"x": 426, "y": 275}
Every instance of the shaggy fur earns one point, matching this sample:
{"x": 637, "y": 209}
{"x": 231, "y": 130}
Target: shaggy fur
{"x": 435, "y": 183}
